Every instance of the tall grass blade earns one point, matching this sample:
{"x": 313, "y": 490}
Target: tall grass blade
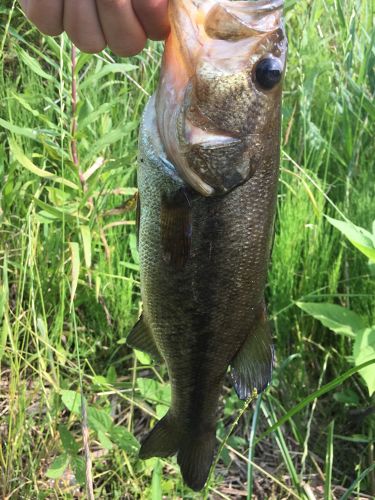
{"x": 4, "y": 305}
{"x": 348, "y": 494}
{"x": 225, "y": 440}
{"x": 326, "y": 388}
{"x": 74, "y": 255}
{"x": 156, "y": 491}
{"x": 280, "y": 440}
{"x": 329, "y": 463}
{"x": 250, "y": 468}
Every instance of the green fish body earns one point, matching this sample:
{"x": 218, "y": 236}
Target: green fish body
{"x": 208, "y": 173}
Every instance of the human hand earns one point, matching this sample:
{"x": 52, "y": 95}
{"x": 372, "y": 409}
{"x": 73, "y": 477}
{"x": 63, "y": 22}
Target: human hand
{"x": 92, "y": 25}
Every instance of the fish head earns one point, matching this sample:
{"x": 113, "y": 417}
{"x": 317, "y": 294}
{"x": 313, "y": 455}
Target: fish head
{"x": 221, "y": 89}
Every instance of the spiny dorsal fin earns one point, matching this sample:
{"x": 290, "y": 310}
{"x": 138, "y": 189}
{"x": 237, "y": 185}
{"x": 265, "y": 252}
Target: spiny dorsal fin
{"x": 141, "y": 338}
{"x": 176, "y": 228}
{"x": 252, "y": 365}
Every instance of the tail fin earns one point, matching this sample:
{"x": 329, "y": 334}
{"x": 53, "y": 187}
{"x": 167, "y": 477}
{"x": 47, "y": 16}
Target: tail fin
{"x": 194, "y": 453}
{"x": 195, "y": 458}
{"x": 162, "y": 440}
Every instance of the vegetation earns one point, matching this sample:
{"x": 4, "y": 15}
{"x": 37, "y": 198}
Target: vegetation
{"x": 69, "y": 275}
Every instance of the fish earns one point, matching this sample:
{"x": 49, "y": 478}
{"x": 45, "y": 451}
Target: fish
{"x": 208, "y": 167}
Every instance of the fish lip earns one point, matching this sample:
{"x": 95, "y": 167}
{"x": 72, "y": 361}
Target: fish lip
{"x": 205, "y": 137}
{"x": 216, "y": 144}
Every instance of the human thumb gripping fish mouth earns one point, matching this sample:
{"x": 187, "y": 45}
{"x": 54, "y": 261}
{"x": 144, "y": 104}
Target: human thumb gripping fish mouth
{"x": 208, "y": 173}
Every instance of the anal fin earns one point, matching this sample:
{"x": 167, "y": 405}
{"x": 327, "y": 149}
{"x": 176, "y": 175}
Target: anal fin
{"x": 252, "y": 365}
{"x": 141, "y": 338}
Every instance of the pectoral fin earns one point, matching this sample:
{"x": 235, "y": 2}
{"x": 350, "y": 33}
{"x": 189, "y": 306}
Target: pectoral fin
{"x": 252, "y": 365}
{"x": 141, "y": 338}
{"x": 176, "y": 228}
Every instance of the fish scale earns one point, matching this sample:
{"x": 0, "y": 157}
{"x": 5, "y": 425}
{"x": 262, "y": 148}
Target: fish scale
{"x": 204, "y": 239}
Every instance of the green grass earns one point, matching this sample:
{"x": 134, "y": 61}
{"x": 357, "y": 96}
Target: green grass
{"x": 69, "y": 273}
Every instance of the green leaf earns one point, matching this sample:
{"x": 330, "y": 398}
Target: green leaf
{"x": 79, "y": 468}
{"x": 100, "y": 380}
{"x": 105, "y": 441}
{"x": 74, "y": 255}
{"x": 341, "y": 15}
{"x": 106, "y": 70}
{"x": 86, "y": 240}
{"x": 85, "y": 108}
{"x": 29, "y": 165}
{"x": 59, "y": 213}
{"x": 22, "y": 131}
{"x": 154, "y": 391}
{"x": 111, "y": 375}
{"x": 34, "y": 65}
{"x": 42, "y": 327}
{"x": 364, "y": 350}
{"x": 25, "y": 104}
{"x": 359, "y": 237}
{"x": 58, "y": 196}
{"x": 45, "y": 218}
{"x": 124, "y": 440}
{"x": 72, "y": 400}
{"x": 133, "y": 248}
{"x": 337, "y": 318}
{"x": 4, "y": 334}
{"x": 142, "y": 357}
{"x": 110, "y": 138}
{"x": 87, "y": 117}
{"x": 83, "y": 59}
{"x": 347, "y": 397}
{"x": 161, "y": 410}
{"x": 5, "y": 329}
{"x": 98, "y": 419}
{"x": 58, "y": 466}
{"x": 68, "y": 442}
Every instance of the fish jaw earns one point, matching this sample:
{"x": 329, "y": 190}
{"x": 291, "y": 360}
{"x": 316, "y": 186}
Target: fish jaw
{"x": 211, "y": 109}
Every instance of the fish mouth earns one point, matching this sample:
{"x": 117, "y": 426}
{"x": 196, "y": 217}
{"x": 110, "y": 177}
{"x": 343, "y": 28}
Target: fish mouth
{"x": 196, "y": 136}
{"x": 235, "y": 21}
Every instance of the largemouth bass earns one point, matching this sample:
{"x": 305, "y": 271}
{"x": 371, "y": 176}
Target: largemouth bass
{"x": 208, "y": 173}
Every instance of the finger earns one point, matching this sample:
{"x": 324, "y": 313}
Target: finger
{"x": 47, "y": 15}
{"x": 81, "y": 22}
{"x": 122, "y": 30}
{"x": 153, "y": 15}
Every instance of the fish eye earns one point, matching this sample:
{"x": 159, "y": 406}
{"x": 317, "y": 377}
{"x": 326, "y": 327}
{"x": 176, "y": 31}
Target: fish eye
{"x": 268, "y": 72}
